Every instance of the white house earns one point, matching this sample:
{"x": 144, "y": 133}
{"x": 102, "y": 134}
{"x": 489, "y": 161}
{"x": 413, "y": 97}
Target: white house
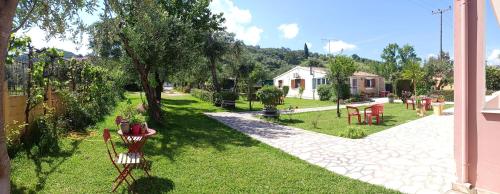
{"x": 361, "y": 83}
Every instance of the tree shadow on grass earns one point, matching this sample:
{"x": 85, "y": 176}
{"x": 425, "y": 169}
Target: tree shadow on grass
{"x": 152, "y": 185}
{"x": 177, "y": 102}
{"x": 54, "y": 161}
{"x": 187, "y": 126}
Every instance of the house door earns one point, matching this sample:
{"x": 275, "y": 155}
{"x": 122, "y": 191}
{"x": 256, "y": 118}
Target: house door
{"x": 354, "y": 86}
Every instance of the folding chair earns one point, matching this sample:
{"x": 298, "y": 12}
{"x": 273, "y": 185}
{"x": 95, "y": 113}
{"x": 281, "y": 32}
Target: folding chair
{"x": 128, "y": 160}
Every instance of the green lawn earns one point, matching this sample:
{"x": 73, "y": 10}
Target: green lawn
{"x": 190, "y": 154}
{"x": 242, "y": 105}
{"x": 329, "y": 123}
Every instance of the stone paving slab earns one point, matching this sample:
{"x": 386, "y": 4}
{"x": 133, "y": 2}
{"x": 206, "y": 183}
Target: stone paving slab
{"x": 415, "y": 157}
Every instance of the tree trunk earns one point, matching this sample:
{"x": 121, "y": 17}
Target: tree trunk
{"x": 415, "y": 88}
{"x": 235, "y": 88}
{"x": 338, "y": 100}
{"x": 153, "y": 106}
{"x": 159, "y": 87}
{"x": 213, "y": 70}
{"x": 249, "y": 96}
{"x": 7, "y": 11}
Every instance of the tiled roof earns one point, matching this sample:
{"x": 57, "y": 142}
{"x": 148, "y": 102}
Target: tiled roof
{"x": 364, "y": 74}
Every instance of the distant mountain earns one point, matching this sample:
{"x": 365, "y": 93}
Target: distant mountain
{"x": 67, "y": 55}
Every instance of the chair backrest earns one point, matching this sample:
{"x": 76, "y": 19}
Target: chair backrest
{"x": 118, "y": 120}
{"x": 107, "y": 139}
{"x": 352, "y": 110}
{"x": 377, "y": 109}
{"x": 380, "y": 108}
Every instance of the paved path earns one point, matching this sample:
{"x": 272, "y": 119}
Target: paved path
{"x": 416, "y": 157}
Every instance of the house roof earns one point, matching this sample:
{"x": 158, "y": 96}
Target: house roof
{"x": 325, "y": 70}
{"x": 364, "y": 74}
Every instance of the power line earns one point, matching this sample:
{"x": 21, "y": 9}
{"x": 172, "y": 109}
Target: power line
{"x": 441, "y": 12}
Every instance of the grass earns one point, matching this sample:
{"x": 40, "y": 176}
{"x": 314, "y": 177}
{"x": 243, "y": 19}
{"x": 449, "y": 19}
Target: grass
{"x": 190, "y": 154}
{"x": 242, "y": 105}
{"x": 327, "y": 122}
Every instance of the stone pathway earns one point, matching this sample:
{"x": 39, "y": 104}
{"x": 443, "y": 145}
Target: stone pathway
{"x": 416, "y": 157}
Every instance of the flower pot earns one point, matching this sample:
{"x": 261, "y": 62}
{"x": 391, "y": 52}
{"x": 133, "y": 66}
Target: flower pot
{"x": 125, "y": 127}
{"x": 391, "y": 99}
{"x": 144, "y": 128}
{"x": 270, "y": 112}
{"x": 136, "y": 129}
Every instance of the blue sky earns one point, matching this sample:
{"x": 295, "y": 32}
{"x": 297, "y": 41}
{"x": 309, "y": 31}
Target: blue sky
{"x": 363, "y": 27}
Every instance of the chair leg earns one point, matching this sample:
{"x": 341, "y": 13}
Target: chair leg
{"x": 369, "y": 120}
{"x": 349, "y": 119}
{"x": 359, "y": 119}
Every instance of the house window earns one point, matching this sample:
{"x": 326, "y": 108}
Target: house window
{"x": 321, "y": 81}
{"x": 369, "y": 83}
{"x": 280, "y": 83}
{"x": 297, "y": 83}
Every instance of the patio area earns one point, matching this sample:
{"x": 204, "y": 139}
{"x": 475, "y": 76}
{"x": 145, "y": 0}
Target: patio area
{"x": 415, "y": 157}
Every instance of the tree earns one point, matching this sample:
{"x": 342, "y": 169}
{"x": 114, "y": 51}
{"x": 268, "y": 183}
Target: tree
{"x": 215, "y": 46}
{"x": 440, "y": 70}
{"x": 306, "y": 51}
{"x": 341, "y": 68}
{"x": 415, "y": 73}
{"x": 237, "y": 50}
{"x": 407, "y": 55}
{"x": 50, "y": 15}
{"x": 390, "y": 59}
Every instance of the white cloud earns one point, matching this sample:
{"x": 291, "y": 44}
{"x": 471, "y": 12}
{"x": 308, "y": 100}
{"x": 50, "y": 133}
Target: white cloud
{"x": 289, "y": 31}
{"x": 309, "y": 45}
{"x": 338, "y": 46}
{"x": 237, "y": 21}
{"x": 494, "y": 57}
{"x": 431, "y": 55}
{"x": 38, "y": 41}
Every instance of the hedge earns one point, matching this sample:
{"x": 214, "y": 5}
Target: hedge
{"x": 203, "y": 95}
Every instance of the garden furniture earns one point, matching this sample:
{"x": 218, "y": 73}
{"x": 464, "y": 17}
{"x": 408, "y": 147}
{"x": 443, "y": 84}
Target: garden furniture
{"x": 128, "y": 160}
{"x": 410, "y": 101}
{"x": 228, "y": 103}
{"x": 135, "y": 142}
{"x": 353, "y": 112}
{"x": 426, "y": 102}
{"x": 438, "y": 108}
{"x": 373, "y": 111}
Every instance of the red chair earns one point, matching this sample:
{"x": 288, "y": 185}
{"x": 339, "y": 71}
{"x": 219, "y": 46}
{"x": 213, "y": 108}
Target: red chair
{"x": 410, "y": 101}
{"x": 351, "y": 112}
{"x": 128, "y": 160}
{"x": 375, "y": 111}
{"x": 427, "y": 103}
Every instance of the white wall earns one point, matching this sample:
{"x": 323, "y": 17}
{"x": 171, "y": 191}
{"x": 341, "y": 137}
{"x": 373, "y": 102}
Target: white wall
{"x": 304, "y": 73}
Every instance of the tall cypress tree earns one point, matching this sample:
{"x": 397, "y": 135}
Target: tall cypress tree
{"x": 306, "y": 51}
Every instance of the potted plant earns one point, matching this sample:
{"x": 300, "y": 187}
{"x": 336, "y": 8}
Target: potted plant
{"x": 269, "y": 96}
{"x": 419, "y": 106}
{"x": 440, "y": 98}
{"x": 391, "y": 97}
{"x": 136, "y": 121}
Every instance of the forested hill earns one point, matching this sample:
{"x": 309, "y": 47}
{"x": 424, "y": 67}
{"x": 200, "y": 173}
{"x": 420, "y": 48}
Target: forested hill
{"x": 280, "y": 60}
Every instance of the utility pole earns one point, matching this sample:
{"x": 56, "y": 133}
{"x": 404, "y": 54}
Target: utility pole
{"x": 440, "y": 12}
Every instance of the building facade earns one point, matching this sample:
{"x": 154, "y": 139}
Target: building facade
{"x": 361, "y": 83}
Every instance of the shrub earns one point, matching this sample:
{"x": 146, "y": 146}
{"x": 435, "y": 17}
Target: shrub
{"x": 325, "y": 92}
{"x": 345, "y": 92}
{"x": 231, "y": 96}
{"x": 353, "y": 132}
{"x": 301, "y": 91}
{"x": 204, "y": 95}
{"x": 449, "y": 95}
{"x": 285, "y": 90}
{"x": 315, "y": 121}
{"x": 269, "y": 96}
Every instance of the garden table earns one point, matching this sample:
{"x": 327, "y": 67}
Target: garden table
{"x": 136, "y": 142}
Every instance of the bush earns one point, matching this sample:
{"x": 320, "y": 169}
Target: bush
{"x": 269, "y": 96}
{"x": 353, "y": 132}
{"x": 204, "y": 95}
{"x": 345, "y": 92}
{"x": 449, "y": 95}
{"x": 324, "y": 92}
{"x": 285, "y": 90}
{"x": 230, "y": 96}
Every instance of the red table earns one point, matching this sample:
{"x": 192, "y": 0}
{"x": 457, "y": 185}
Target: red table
{"x": 136, "y": 142}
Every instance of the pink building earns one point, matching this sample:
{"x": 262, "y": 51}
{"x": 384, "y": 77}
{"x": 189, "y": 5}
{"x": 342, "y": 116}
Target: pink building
{"x": 477, "y": 119}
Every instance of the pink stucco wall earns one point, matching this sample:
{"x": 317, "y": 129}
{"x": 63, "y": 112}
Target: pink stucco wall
{"x": 482, "y": 131}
